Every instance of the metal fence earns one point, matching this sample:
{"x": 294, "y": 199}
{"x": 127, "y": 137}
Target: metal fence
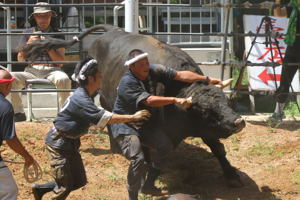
{"x": 185, "y": 22}
{"x": 152, "y": 19}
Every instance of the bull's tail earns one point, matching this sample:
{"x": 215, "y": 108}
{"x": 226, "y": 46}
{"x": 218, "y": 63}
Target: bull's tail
{"x": 33, "y": 50}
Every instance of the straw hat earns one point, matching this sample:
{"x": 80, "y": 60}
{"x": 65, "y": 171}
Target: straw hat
{"x": 42, "y": 9}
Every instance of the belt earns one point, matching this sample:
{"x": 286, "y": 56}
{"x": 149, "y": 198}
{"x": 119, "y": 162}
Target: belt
{"x": 43, "y": 67}
{"x": 66, "y": 135}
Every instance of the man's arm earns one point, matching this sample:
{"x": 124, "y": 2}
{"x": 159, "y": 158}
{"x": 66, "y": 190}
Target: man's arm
{"x": 138, "y": 116}
{"x": 17, "y": 147}
{"x": 191, "y": 77}
{"x": 57, "y": 55}
{"x": 158, "y": 101}
{"x": 278, "y": 11}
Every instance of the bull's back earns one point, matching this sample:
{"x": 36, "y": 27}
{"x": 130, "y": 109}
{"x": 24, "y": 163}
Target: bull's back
{"x": 111, "y": 50}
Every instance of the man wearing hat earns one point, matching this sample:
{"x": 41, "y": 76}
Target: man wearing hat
{"x": 41, "y": 19}
{"x": 8, "y": 186}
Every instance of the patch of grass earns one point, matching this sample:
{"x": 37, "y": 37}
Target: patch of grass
{"x": 196, "y": 141}
{"x": 102, "y": 197}
{"x": 296, "y": 177}
{"x": 235, "y": 75}
{"x": 263, "y": 149}
{"x": 36, "y": 136}
{"x": 115, "y": 177}
{"x": 271, "y": 127}
{"x": 270, "y": 168}
{"x": 292, "y": 109}
{"x": 145, "y": 197}
{"x": 235, "y": 142}
{"x": 22, "y": 137}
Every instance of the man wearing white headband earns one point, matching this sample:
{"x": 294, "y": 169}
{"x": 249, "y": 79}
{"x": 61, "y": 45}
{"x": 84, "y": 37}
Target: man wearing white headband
{"x": 136, "y": 91}
{"x": 63, "y": 140}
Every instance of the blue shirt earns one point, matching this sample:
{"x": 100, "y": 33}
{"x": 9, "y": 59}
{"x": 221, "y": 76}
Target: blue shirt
{"x": 132, "y": 91}
{"x": 7, "y": 123}
{"x": 77, "y": 115}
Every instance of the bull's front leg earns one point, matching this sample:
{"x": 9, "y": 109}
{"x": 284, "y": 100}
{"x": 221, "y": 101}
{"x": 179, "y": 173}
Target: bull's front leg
{"x": 217, "y": 148}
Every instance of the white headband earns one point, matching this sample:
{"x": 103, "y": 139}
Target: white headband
{"x": 135, "y": 59}
{"x": 80, "y": 76}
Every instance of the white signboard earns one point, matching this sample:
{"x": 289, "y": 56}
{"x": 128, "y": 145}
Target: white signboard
{"x": 265, "y": 78}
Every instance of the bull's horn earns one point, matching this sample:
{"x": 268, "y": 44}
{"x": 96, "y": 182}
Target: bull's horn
{"x": 238, "y": 121}
{"x": 224, "y": 84}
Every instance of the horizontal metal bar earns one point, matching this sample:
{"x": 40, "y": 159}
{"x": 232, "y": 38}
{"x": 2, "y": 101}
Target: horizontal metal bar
{"x": 265, "y": 5}
{"x": 257, "y": 92}
{"x": 44, "y": 90}
{"x": 243, "y": 64}
{"x": 232, "y": 34}
{"x": 273, "y": 34}
{"x": 62, "y": 5}
{"x": 39, "y": 62}
{"x": 217, "y": 62}
{"x": 253, "y": 92}
{"x": 54, "y": 33}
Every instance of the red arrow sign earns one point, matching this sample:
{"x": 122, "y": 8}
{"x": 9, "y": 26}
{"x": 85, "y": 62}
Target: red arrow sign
{"x": 265, "y": 77}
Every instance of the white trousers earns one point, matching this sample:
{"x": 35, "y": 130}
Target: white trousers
{"x": 8, "y": 186}
{"x": 58, "y": 78}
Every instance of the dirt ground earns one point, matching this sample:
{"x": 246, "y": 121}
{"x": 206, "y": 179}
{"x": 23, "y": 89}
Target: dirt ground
{"x": 267, "y": 159}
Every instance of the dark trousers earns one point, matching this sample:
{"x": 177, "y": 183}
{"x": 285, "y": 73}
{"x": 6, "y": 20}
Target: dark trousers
{"x": 67, "y": 171}
{"x": 133, "y": 148}
{"x": 287, "y": 73}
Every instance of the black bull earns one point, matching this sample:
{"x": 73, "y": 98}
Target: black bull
{"x": 210, "y": 117}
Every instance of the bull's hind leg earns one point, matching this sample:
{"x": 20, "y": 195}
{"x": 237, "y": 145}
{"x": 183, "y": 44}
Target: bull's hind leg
{"x": 233, "y": 179}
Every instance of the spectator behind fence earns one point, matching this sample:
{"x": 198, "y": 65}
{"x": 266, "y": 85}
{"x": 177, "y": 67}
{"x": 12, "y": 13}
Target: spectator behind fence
{"x": 291, "y": 54}
{"x": 42, "y": 17}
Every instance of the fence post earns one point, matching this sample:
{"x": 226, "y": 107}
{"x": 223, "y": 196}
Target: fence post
{"x": 131, "y": 16}
{"x": 8, "y": 30}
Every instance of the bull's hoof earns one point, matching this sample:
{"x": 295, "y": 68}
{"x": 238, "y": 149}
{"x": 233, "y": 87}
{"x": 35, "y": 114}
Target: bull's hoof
{"x": 234, "y": 183}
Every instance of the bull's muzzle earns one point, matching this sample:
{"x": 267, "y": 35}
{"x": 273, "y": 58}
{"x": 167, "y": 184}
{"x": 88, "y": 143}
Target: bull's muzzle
{"x": 239, "y": 124}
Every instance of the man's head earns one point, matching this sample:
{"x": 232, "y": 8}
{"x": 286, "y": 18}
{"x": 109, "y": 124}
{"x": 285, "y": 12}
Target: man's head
{"x": 138, "y": 63}
{"x": 6, "y": 80}
{"x": 87, "y": 74}
{"x": 42, "y": 15}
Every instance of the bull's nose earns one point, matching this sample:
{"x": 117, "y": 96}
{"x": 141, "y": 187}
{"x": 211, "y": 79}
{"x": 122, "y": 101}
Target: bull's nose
{"x": 239, "y": 124}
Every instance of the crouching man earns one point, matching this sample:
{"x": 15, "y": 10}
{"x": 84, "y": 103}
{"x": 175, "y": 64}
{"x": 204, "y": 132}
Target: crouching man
{"x": 73, "y": 121}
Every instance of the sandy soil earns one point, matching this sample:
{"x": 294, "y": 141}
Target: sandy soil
{"x": 267, "y": 159}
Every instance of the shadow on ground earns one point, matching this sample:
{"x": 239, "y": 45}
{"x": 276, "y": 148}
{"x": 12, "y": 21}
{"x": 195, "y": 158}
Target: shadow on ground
{"x": 96, "y": 151}
{"x": 193, "y": 170}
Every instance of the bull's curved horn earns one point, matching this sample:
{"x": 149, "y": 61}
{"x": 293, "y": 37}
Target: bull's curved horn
{"x": 224, "y": 83}
{"x": 33, "y": 50}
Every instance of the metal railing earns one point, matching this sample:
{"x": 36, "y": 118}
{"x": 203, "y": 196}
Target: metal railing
{"x": 168, "y": 33}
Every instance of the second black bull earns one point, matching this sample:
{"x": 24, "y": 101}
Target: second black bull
{"x": 210, "y": 116}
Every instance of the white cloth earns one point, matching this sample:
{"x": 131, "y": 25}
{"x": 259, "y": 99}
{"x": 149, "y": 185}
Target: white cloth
{"x": 8, "y": 186}
{"x": 104, "y": 119}
{"x": 59, "y": 78}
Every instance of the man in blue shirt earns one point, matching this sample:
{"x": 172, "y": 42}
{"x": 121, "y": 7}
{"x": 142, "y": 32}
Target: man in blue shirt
{"x": 8, "y": 187}
{"x": 63, "y": 140}
{"x": 136, "y": 91}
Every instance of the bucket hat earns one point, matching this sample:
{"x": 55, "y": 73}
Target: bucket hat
{"x": 43, "y": 9}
